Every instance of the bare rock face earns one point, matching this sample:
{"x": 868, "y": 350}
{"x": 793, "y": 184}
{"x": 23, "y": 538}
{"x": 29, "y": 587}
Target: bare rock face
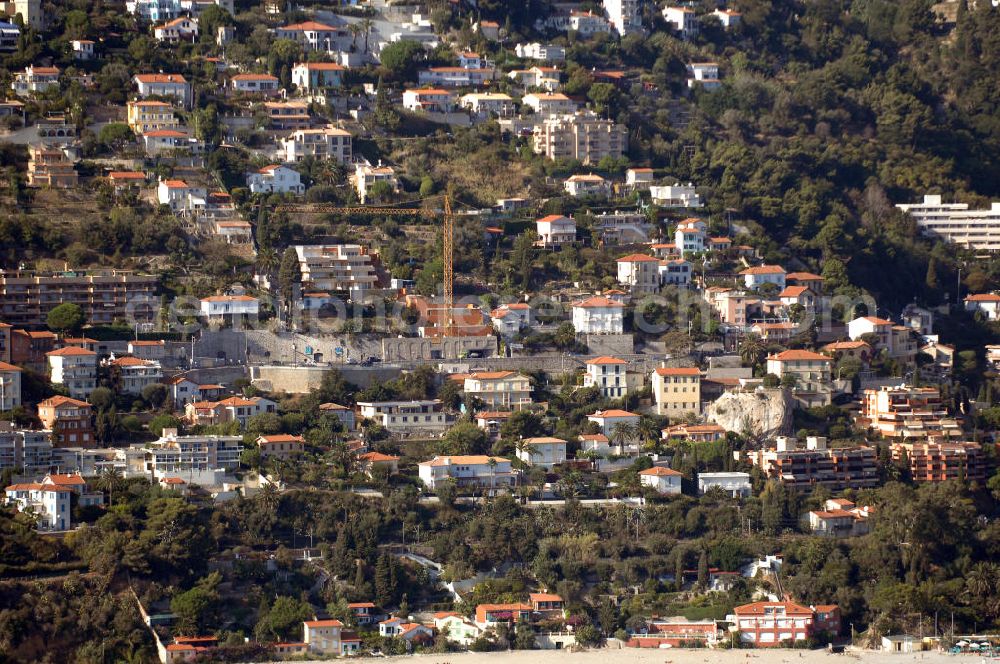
{"x": 763, "y": 413}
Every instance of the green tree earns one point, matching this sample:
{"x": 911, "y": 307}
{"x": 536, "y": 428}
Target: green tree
{"x": 115, "y": 135}
{"x": 193, "y": 608}
{"x": 283, "y": 620}
{"x": 66, "y": 318}
{"x": 401, "y": 58}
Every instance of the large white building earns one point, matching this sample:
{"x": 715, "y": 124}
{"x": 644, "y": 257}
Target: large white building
{"x": 24, "y": 451}
{"x": 675, "y": 195}
{"x": 598, "y": 315}
{"x": 955, "y": 222}
{"x": 555, "y": 230}
{"x": 468, "y": 471}
{"x": 624, "y": 16}
{"x": 543, "y": 451}
{"x": 50, "y": 503}
{"x": 10, "y": 386}
{"x": 640, "y": 272}
{"x": 583, "y": 136}
{"x": 366, "y": 175}
{"x": 406, "y": 416}
{"x": 326, "y": 143}
{"x": 194, "y": 459}
{"x": 609, "y": 375}
{"x": 543, "y": 52}
{"x": 75, "y": 369}
{"x": 337, "y": 267}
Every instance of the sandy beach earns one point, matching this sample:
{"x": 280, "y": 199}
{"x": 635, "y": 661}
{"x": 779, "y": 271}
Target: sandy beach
{"x": 677, "y": 656}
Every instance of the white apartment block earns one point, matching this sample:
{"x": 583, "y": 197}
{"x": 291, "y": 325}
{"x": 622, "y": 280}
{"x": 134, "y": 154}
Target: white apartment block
{"x": 609, "y": 375}
{"x": 498, "y": 389}
{"x": 683, "y": 19}
{"x": 555, "y": 230}
{"x": 25, "y": 451}
{"x": 956, "y": 223}
{"x": 327, "y": 143}
{"x": 598, "y": 315}
{"x": 641, "y": 273}
{"x": 583, "y": 136}
{"x": 35, "y": 79}
{"x": 624, "y": 15}
{"x": 195, "y": 459}
{"x": 493, "y": 103}
{"x": 10, "y": 386}
{"x": 406, "y": 416}
{"x": 336, "y": 267}
{"x": 164, "y": 85}
{"x": 549, "y": 103}
{"x": 543, "y": 451}
{"x": 133, "y": 373}
{"x": 75, "y": 369}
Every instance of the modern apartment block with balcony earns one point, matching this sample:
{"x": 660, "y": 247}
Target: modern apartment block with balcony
{"x": 908, "y": 413}
{"x": 583, "y": 136}
{"x": 817, "y": 465}
{"x": 956, "y": 223}
{"x": 337, "y": 268}
{"x": 26, "y": 298}
{"x": 942, "y": 461}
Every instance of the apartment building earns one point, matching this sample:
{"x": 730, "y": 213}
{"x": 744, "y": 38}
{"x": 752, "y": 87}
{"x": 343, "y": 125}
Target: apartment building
{"x": 775, "y": 624}
{"x": 24, "y": 451}
{"x": 956, "y": 223}
{"x": 50, "y": 167}
{"x": 640, "y": 272}
{"x": 328, "y": 637}
{"x": 498, "y": 389}
{"x": 154, "y": 10}
{"x": 809, "y": 373}
{"x": 683, "y": 19}
{"x": 69, "y": 420}
{"x": 146, "y": 115}
{"x": 736, "y": 485}
{"x": 908, "y": 413}
{"x": 132, "y": 374}
{"x": 337, "y": 268}
{"x": 325, "y": 143}
{"x": 10, "y": 386}
{"x": 622, "y": 227}
{"x": 310, "y": 76}
{"x": 195, "y": 459}
{"x": 229, "y": 308}
{"x": 598, "y": 315}
{"x": 817, "y": 465}
{"x": 677, "y": 390}
{"x": 583, "y": 136}
{"x": 281, "y": 446}
{"x": 839, "y": 518}
{"x": 694, "y": 433}
{"x": 164, "y": 85}
{"x": 474, "y": 471}
{"x": 690, "y": 236}
{"x": 426, "y": 416}
{"x": 932, "y": 461}
{"x": 609, "y": 375}
{"x": 625, "y": 16}
{"x": 75, "y": 369}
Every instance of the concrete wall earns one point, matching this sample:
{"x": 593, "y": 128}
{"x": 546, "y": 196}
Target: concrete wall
{"x": 405, "y": 349}
{"x": 302, "y": 379}
{"x": 609, "y": 344}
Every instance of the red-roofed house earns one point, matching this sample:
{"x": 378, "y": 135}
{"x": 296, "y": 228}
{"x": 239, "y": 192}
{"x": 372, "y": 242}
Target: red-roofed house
{"x": 433, "y": 100}
{"x": 369, "y": 461}
{"x": 663, "y": 480}
{"x": 609, "y": 375}
{"x": 275, "y": 179}
{"x": 75, "y": 369}
{"x": 488, "y": 615}
{"x": 317, "y": 75}
{"x": 69, "y": 420}
{"x": 772, "y": 624}
{"x": 281, "y": 446}
{"x": 498, "y": 389}
{"x": 987, "y": 303}
{"x": 49, "y": 502}
{"x": 755, "y": 277}
{"x": 808, "y": 372}
{"x": 164, "y": 85}
{"x": 323, "y": 636}
{"x": 608, "y": 420}
{"x": 555, "y": 231}
{"x": 256, "y": 84}
{"x": 640, "y": 272}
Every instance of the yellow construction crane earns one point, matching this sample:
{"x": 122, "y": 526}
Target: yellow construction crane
{"x": 447, "y": 236}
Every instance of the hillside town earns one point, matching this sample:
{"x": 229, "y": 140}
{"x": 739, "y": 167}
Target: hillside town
{"x": 378, "y": 328}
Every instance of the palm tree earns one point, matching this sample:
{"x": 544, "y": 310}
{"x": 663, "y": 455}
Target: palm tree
{"x": 355, "y": 29}
{"x": 648, "y": 430}
{"x": 492, "y": 463}
{"x": 752, "y": 350}
{"x": 982, "y": 579}
{"x": 366, "y": 25}
{"x": 267, "y": 260}
{"x": 623, "y": 433}
{"x": 111, "y": 480}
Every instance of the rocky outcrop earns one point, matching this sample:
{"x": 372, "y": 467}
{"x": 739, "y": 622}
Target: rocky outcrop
{"x": 763, "y": 413}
